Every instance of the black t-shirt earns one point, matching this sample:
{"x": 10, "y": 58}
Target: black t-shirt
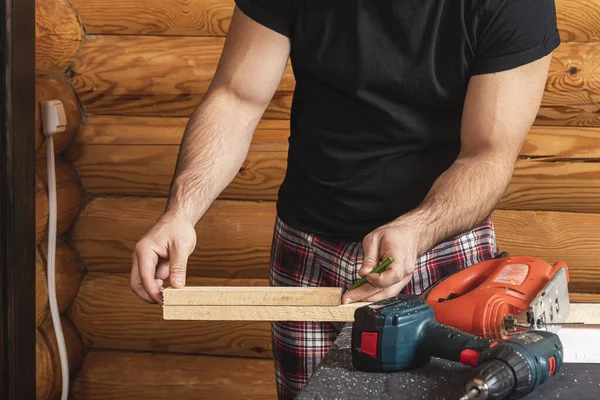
{"x": 380, "y": 86}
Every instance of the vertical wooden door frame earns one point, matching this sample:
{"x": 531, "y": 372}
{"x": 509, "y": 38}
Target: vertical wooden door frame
{"x": 17, "y": 200}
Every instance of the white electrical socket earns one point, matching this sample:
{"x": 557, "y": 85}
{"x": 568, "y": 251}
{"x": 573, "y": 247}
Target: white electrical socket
{"x": 54, "y": 119}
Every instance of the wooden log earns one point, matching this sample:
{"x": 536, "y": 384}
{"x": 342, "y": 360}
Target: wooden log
{"x": 551, "y": 185}
{"x": 270, "y": 134}
{"x": 75, "y": 352}
{"x": 584, "y": 297}
{"x": 58, "y": 36}
{"x": 148, "y": 170}
{"x": 41, "y": 210}
{"x": 539, "y": 184}
{"x": 42, "y": 308}
{"x": 156, "y": 17}
{"x": 69, "y": 272}
{"x": 574, "y": 66}
{"x": 45, "y": 374}
{"x": 234, "y": 238}
{"x": 123, "y": 375}
{"x": 69, "y": 193}
{"x": 137, "y": 325}
{"x": 555, "y": 236}
{"x": 577, "y": 21}
{"x": 155, "y": 75}
{"x": 562, "y": 142}
{"x": 56, "y": 89}
{"x": 252, "y": 296}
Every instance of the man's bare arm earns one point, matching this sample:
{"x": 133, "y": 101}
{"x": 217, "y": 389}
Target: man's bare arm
{"x": 498, "y": 113}
{"x": 219, "y": 132}
{"x": 214, "y": 146}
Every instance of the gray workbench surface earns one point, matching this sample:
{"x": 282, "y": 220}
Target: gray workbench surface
{"x": 336, "y": 378}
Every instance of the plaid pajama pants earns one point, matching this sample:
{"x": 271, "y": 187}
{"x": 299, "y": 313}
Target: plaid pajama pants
{"x": 303, "y": 259}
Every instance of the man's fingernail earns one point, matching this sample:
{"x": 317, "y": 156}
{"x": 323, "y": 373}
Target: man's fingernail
{"x": 178, "y": 281}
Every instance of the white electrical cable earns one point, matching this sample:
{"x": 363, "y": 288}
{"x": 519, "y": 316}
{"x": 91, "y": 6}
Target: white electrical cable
{"x": 62, "y": 348}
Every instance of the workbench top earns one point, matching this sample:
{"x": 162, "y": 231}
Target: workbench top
{"x": 335, "y": 378}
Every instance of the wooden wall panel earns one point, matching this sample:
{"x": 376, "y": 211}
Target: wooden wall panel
{"x": 577, "y": 20}
{"x": 57, "y": 89}
{"x": 69, "y": 193}
{"x": 137, "y": 325}
{"x": 233, "y": 237}
{"x": 562, "y": 142}
{"x": 108, "y": 375}
{"x": 156, "y": 17}
{"x": 237, "y": 238}
{"x": 69, "y": 272}
{"x": 154, "y": 75}
{"x": 58, "y": 35}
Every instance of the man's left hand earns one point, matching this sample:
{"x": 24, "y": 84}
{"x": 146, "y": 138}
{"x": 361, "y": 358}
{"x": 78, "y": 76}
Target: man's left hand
{"x": 396, "y": 240}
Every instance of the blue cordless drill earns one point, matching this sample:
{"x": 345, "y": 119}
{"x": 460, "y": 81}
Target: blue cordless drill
{"x": 401, "y": 333}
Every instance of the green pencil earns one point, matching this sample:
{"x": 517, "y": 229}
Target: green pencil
{"x": 377, "y": 270}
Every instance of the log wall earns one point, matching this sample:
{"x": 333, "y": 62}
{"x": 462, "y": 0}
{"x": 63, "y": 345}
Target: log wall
{"x": 130, "y": 73}
{"x": 58, "y": 37}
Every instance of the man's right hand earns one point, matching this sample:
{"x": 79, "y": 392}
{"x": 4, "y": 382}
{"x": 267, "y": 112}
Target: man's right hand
{"x": 160, "y": 254}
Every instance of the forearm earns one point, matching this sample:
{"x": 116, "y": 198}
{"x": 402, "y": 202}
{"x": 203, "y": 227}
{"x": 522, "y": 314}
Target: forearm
{"x": 214, "y": 146}
{"x": 460, "y": 199}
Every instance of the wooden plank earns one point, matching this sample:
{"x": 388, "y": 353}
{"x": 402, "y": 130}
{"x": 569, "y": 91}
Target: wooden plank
{"x": 234, "y": 238}
{"x": 252, "y": 296}
{"x": 156, "y": 17}
{"x": 555, "y": 236}
{"x": 341, "y": 313}
{"x": 137, "y": 325}
{"x": 107, "y": 375}
{"x": 586, "y": 313}
{"x": 155, "y": 75}
{"x": 56, "y": 89}
{"x": 58, "y": 36}
{"x": 69, "y": 193}
{"x": 577, "y": 21}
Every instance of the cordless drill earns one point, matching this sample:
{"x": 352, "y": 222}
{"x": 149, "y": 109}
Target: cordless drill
{"x": 401, "y": 333}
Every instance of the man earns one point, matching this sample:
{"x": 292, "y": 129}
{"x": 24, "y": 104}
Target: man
{"x": 408, "y": 116}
